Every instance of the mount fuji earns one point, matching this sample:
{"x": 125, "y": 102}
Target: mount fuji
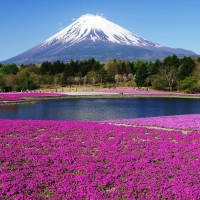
{"x": 94, "y": 36}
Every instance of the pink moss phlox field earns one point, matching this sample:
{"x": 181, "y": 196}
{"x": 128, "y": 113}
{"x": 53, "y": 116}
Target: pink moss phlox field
{"x": 189, "y": 122}
{"x": 19, "y": 95}
{"x": 144, "y": 92}
{"x": 91, "y": 160}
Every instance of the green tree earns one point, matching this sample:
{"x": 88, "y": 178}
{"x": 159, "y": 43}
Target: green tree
{"x": 171, "y": 61}
{"x": 138, "y": 64}
{"x": 23, "y": 79}
{"x": 102, "y": 75}
{"x": 93, "y": 65}
{"x": 150, "y": 66}
{"x": 170, "y": 70}
{"x": 141, "y": 75}
{"x": 156, "y": 66}
{"x": 189, "y": 84}
{"x": 70, "y": 71}
{"x": 31, "y": 68}
{"x": 112, "y": 69}
{"x": 132, "y": 64}
{"x": 46, "y": 68}
{"x": 34, "y": 81}
{"x": 91, "y": 77}
{"x": 127, "y": 66}
{"x": 9, "y": 69}
{"x": 187, "y": 67}
{"x": 57, "y": 67}
{"x": 119, "y": 65}
{"x": 159, "y": 82}
{"x": 2, "y": 82}
{"x": 12, "y": 82}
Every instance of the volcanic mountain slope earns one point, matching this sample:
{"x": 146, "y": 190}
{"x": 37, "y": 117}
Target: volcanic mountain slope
{"x": 94, "y": 36}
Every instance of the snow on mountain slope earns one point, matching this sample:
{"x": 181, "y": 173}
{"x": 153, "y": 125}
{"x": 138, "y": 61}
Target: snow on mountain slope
{"x": 94, "y": 27}
{"x": 94, "y": 36}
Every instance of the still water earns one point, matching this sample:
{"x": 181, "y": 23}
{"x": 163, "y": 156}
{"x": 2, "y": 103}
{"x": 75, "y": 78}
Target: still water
{"x": 100, "y": 109}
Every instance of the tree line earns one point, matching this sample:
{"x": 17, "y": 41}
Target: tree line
{"x": 171, "y": 73}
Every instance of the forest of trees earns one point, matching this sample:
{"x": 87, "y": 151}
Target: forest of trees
{"x": 170, "y": 74}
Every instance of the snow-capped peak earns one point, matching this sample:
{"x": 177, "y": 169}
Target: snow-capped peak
{"x": 94, "y": 27}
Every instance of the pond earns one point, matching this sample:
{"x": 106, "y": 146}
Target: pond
{"x": 96, "y": 109}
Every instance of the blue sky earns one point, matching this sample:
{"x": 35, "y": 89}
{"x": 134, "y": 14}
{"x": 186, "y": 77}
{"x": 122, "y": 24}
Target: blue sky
{"x": 27, "y": 23}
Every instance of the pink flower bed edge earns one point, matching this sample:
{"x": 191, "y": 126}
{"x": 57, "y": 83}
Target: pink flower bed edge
{"x": 19, "y": 96}
{"x": 189, "y": 122}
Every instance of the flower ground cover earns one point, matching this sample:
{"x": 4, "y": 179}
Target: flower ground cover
{"x": 91, "y": 160}
{"x": 20, "y": 95}
{"x": 145, "y": 92}
{"x": 181, "y": 122}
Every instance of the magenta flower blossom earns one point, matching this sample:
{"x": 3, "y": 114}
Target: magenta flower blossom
{"x": 182, "y": 122}
{"x": 20, "y": 96}
{"x": 96, "y": 160}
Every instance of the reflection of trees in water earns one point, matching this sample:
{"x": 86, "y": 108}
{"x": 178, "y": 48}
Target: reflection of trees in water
{"x": 8, "y": 107}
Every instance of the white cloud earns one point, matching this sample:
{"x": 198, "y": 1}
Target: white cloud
{"x": 101, "y": 15}
{"x": 60, "y": 26}
{"x": 73, "y": 19}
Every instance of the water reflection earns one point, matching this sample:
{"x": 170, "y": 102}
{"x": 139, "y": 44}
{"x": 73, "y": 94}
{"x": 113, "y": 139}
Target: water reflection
{"x": 100, "y": 109}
